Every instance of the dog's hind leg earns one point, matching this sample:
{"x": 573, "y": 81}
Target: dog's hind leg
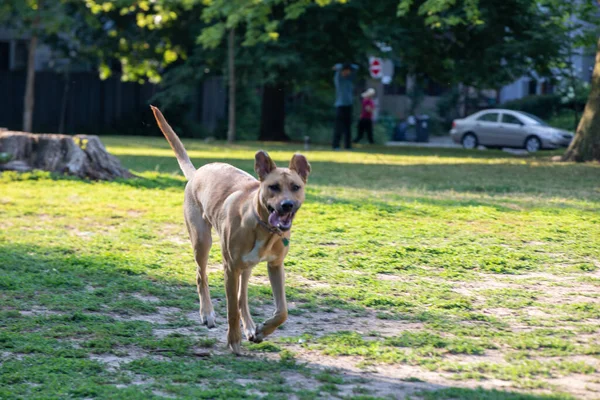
{"x": 200, "y": 235}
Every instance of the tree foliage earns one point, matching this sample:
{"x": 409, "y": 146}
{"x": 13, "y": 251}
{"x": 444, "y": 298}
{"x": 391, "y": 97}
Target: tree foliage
{"x": 262, "y": 20}
{"x": 291, "y": 44}
{"x": 483, "y": 43}
{"x": 21, "y": 14}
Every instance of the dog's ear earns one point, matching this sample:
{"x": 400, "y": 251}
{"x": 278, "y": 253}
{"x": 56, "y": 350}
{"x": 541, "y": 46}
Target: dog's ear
{"x": 300, "y": 165}
{"x": 263, "y": 165}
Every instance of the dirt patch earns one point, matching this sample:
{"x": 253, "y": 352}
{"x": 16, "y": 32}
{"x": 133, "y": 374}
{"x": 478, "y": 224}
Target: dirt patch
{"x": 166, "y": 395}
{"x": 136, "y": 380}
{"x": 162, "y": 317}
{"x": 125, "y": 355}
{"x": 299, "y": 281}
{"x": 499, "y": 312}
{"x": 393, "y": 381}
{"x": 320, "y": 323}
{"x": 581, "y": 386}
{"x": 393, "y": 278}
{"x": 178, "y": 240}
{"x": 7, "y": 355}
{"x": 146, "y": 298}
{"x": 164, "y": 332}
{"x": 397, "y": 380}
{"x": 35, "y": 311}
{"x": 82, "y": 234}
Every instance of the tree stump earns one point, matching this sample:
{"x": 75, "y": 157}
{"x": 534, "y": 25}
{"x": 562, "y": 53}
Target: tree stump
{"x": 81, "y": 155}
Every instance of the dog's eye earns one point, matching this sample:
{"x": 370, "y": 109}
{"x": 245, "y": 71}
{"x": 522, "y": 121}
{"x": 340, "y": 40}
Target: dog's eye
{"x": 295, "y": 188}
{"x": 275, "y": 188}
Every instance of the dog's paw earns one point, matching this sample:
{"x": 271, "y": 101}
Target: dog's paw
{"x": 236, "y": 348}
{"x": 249, "y": 333}
{"x": 257, "y": 336}
{"x": 208, "y": 320}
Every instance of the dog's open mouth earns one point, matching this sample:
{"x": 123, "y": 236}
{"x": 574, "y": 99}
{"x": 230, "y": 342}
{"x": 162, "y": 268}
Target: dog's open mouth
{"x": 281, "y": 220}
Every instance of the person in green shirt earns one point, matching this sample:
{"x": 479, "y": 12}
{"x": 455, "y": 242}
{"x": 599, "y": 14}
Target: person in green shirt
{"x": 344, "y": 77}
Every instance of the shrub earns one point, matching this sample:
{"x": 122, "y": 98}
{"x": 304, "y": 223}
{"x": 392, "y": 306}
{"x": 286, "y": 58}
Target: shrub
{"x": 548, "y": 105}
{"x": 447, "y": 107}
{"x": 542, "y": 106}
{"x": 564, "y": 119}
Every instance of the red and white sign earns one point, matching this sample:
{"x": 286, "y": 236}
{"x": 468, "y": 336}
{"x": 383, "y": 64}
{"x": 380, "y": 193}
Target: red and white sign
{"x": 376, "y": 67}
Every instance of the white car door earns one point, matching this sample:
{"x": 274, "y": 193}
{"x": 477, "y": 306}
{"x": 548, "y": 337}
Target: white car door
{"x": 486, "y": 128}
{"x": 511, "y": 130}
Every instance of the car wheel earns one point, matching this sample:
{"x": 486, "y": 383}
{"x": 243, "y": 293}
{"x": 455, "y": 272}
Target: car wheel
{"x": 469, "y": 141}
{"x": 533, "y": 144}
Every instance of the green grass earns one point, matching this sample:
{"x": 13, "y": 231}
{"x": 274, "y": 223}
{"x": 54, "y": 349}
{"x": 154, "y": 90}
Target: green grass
{"x": 481, "y": 265}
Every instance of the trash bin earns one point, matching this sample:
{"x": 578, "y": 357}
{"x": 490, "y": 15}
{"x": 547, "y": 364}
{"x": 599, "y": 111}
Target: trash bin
{"x": 411, "y": 128}
{"x": 400, "y": 132}
{"x": 422, "y": 128}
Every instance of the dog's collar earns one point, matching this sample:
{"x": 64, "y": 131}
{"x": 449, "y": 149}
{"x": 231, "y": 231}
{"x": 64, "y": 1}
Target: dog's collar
{"x": 268, "y": 227}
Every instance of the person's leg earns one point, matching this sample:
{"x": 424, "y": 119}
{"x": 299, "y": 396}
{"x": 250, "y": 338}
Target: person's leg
{"x": 347, "y": 127}
{"x": 369, "y": 129}
{"x": 337, "y": 128}
{"x": 361, "y": 130}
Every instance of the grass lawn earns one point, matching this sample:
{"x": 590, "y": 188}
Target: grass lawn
{"x": 434, "y": 274}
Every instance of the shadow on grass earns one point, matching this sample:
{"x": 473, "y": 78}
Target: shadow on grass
{"x": 386, "y": 207}
{"x": 158, "y": 142}
{"x": 498, "y": 182}
{"x": 572, "y": 181}
{"x": 568, "y": 181}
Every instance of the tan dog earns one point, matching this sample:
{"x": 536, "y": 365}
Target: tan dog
{"x": 253, "y": 219}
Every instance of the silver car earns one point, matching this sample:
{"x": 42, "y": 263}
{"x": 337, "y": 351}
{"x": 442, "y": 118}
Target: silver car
{"x": 507, "y": 128}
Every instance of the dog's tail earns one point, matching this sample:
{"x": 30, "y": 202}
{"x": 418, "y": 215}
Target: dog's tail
{"x": 182, "y": 157}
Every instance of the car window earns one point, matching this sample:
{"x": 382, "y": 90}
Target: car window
{"x": 511, "y": 119}
{"x": 489, "y": 117}
{"x": 537, "y": 120}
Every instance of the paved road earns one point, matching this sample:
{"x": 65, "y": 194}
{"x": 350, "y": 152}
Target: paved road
{"x": 447, "y": 143}
{"x": 434, "y": 141}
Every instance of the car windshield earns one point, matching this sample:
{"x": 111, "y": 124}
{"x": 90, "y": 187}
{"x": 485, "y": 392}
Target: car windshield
{"x": 537, "y": 121}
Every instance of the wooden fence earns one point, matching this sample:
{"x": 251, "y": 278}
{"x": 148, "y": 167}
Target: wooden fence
{"x": 82, "y": 103}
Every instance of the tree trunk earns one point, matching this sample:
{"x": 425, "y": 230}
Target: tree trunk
{"x": 586, "y": 144}
{"x": 82, "y": 155}
{"x": 28, "y": 103}
{"x": 272, "y": 119}
{"x": 231, "y": 67}
{"x": 30, "y": 86}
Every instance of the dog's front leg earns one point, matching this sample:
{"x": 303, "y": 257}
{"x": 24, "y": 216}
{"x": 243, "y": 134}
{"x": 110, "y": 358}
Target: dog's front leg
{"x": 277, "y": 278}
{"x": 234, "y": 333}
{"x": 249, "y": 327}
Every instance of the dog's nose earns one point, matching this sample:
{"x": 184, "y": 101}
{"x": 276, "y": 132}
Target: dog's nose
{"x": 287, "y": 206}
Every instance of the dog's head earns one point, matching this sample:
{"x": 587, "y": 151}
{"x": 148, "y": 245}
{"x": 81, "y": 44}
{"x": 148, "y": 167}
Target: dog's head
{"x": 281, "y": 189}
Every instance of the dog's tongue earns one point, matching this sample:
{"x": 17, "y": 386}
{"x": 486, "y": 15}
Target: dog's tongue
{"x": 285, "y": 220}
{"x": 280, "y": 221}
{"x": 274, "y": 219}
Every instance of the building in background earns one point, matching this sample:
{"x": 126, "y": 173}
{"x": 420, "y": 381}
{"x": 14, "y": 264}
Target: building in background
{"x": 13, "y": 52}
